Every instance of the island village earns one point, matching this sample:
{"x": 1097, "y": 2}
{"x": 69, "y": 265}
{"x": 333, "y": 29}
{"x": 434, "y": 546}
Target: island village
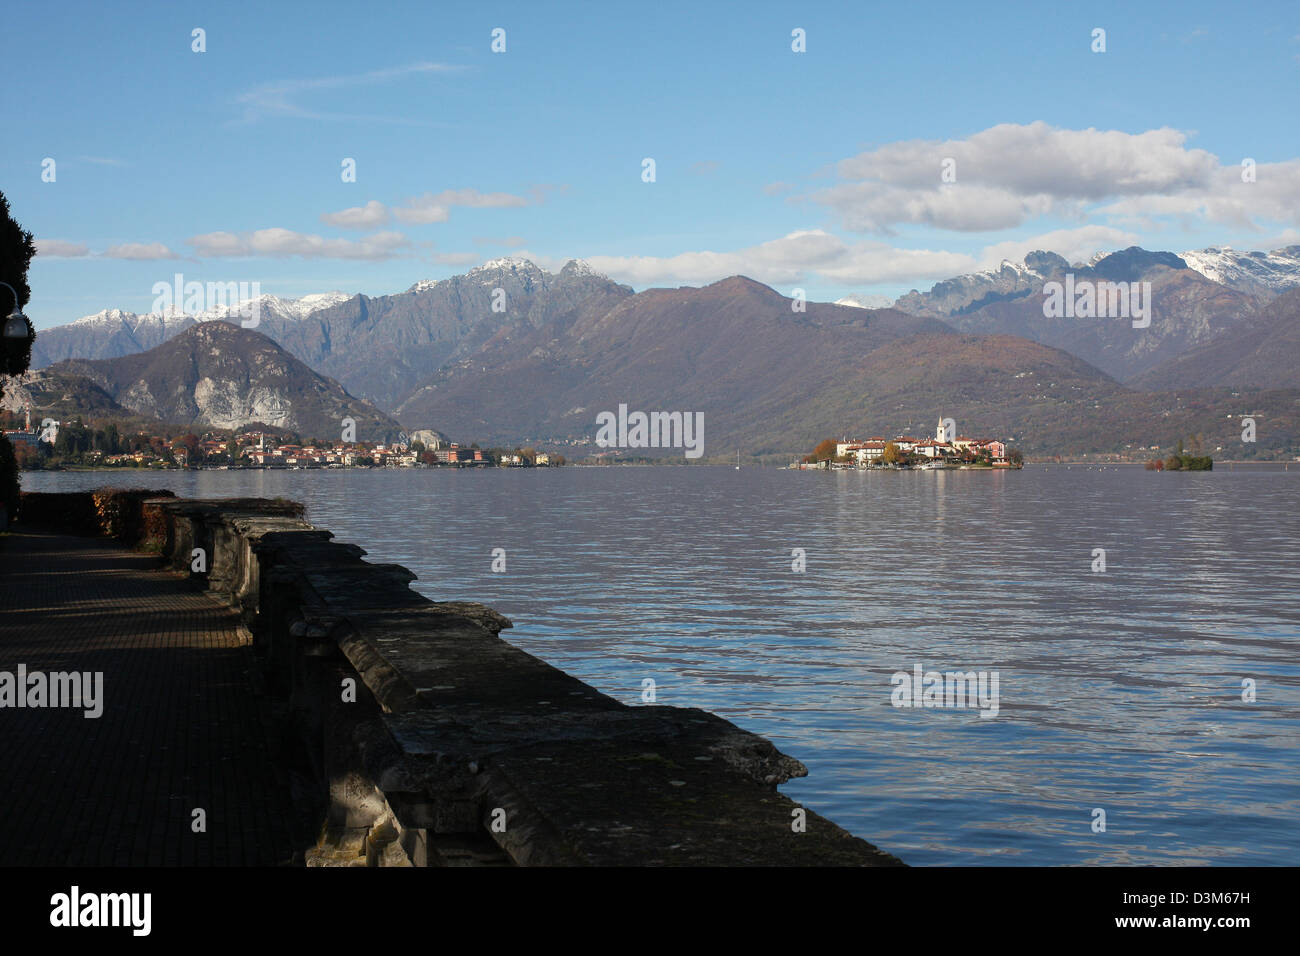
{"x": 945, "y": 450}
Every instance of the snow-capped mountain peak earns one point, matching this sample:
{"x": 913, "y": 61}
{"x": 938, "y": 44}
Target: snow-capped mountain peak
{"x": 506, "y": 264}
{"x": 174, "y": 315}
{"x": 580, "y": 267}
{"x": 308, "y": 304}
{"x": 1256, "y": 273}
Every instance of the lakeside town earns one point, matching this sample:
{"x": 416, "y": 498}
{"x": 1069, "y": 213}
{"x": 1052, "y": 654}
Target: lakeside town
{"x": 944, "y": 450}
{"x": 73, "y": 444}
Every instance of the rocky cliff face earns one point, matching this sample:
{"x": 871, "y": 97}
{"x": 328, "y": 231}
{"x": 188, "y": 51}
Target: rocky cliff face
{"x": 1262, "y": 351}
{"x": 58, "y": 396}
{"x": 385, "y": 348}
{"x": 219, "y": 374}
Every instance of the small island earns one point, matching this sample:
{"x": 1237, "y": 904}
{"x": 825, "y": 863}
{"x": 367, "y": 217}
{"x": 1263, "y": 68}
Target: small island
{"x": 944, "y": 450}
{"x": 1180, "y": 461}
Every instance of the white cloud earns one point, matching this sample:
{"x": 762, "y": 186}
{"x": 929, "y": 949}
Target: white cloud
{"x": 1010, "y": 174}
{"x": 437, "y": 208}
{"x": 280, "y": 243}
{"x": 61, "y": 249}
{"x": 419, "y": 212}
{"x": 369, "y": 216}
{"x": 1287, "y": 237}
{"x": 797, "y": 257}
{"x": 1041, "y": 159}
{"x": 218, "y": 244}
{"x": 139, "y": 250}
{"x": 1274, "y": 196}
{"x": 877, "y": 207}
{"x": 869, "y": 263}
{"x": 472, "y": 197}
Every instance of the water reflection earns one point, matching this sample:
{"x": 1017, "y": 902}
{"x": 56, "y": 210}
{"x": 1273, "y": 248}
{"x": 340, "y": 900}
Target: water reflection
{"x": 1119, "y": 690}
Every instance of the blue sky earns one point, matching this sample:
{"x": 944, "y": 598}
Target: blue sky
{"x": 819, "y": 170}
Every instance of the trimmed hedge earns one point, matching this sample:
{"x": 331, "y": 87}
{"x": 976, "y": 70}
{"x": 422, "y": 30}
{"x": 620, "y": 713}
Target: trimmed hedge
{"x": 115, "y": 513}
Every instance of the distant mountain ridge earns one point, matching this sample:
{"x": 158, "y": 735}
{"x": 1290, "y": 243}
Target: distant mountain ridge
{"x": 1187, "y": 309}
{"x": 1261, "y": 274}
{"x": 769, "y": 379}
{"x": 512, "y": 353}
{"x": 964, "y": 294}
{"x": 386, "y": 348}
{"x": 112, "y": 333}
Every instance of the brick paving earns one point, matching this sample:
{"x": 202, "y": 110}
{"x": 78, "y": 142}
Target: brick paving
{"x": 182, "y": 725}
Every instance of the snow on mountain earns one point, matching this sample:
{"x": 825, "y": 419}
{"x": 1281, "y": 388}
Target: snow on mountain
{"x": 308, "y": 304}
{"x": 856, "y": 301}
{"x": 506, "y": 264}
{"x": 493, "y": 269}
{"x": 175, "y": 318}
{"x": 272, "y": 306}
{"x": 1009, "y": 280}
{"x": 580, "y": 267}
{"x": 1262, "y": 274}
{"x": 121, "y": 317}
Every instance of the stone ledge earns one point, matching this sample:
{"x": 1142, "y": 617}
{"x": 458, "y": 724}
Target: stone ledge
{"x": 452, "y": 724}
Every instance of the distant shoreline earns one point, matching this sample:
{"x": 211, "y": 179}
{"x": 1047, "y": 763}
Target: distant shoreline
{"x": 669, "y": 463}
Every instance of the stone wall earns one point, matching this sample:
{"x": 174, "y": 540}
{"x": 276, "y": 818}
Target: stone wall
{"x": 420, "y": 737}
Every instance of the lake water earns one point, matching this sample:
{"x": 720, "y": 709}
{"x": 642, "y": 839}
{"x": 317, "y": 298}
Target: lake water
{"x": 1119, "y": 690}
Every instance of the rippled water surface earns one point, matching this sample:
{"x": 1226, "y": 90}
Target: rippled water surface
{"x": 1119, "y": 690}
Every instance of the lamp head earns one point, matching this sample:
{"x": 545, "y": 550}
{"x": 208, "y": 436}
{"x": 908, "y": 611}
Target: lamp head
{"x": 17, "y": 326}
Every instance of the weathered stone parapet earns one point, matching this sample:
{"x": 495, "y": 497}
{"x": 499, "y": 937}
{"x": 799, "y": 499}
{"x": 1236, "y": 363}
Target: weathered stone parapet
{"x": 430, "y": 740}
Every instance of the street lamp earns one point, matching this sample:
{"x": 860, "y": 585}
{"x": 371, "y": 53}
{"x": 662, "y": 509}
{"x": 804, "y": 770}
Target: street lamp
{"x": 16, "y": 339}
{"x": 16, "y": 326}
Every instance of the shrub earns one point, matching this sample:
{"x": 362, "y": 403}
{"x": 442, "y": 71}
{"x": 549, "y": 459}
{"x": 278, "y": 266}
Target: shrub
{"x": 10, "y": 488}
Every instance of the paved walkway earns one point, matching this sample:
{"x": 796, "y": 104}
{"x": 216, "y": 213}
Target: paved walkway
{"x": 181, "y": 726}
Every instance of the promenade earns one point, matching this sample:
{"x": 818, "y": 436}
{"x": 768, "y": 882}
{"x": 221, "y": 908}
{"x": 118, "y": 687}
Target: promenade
{"x": 182, "y": 727}
{"x": 391, "y": 730}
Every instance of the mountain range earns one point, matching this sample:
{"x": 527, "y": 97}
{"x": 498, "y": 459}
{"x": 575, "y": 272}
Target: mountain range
{"x": 509, "y": 352}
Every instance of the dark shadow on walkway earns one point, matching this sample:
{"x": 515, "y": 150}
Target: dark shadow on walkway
{"x": 183, "y": 727}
